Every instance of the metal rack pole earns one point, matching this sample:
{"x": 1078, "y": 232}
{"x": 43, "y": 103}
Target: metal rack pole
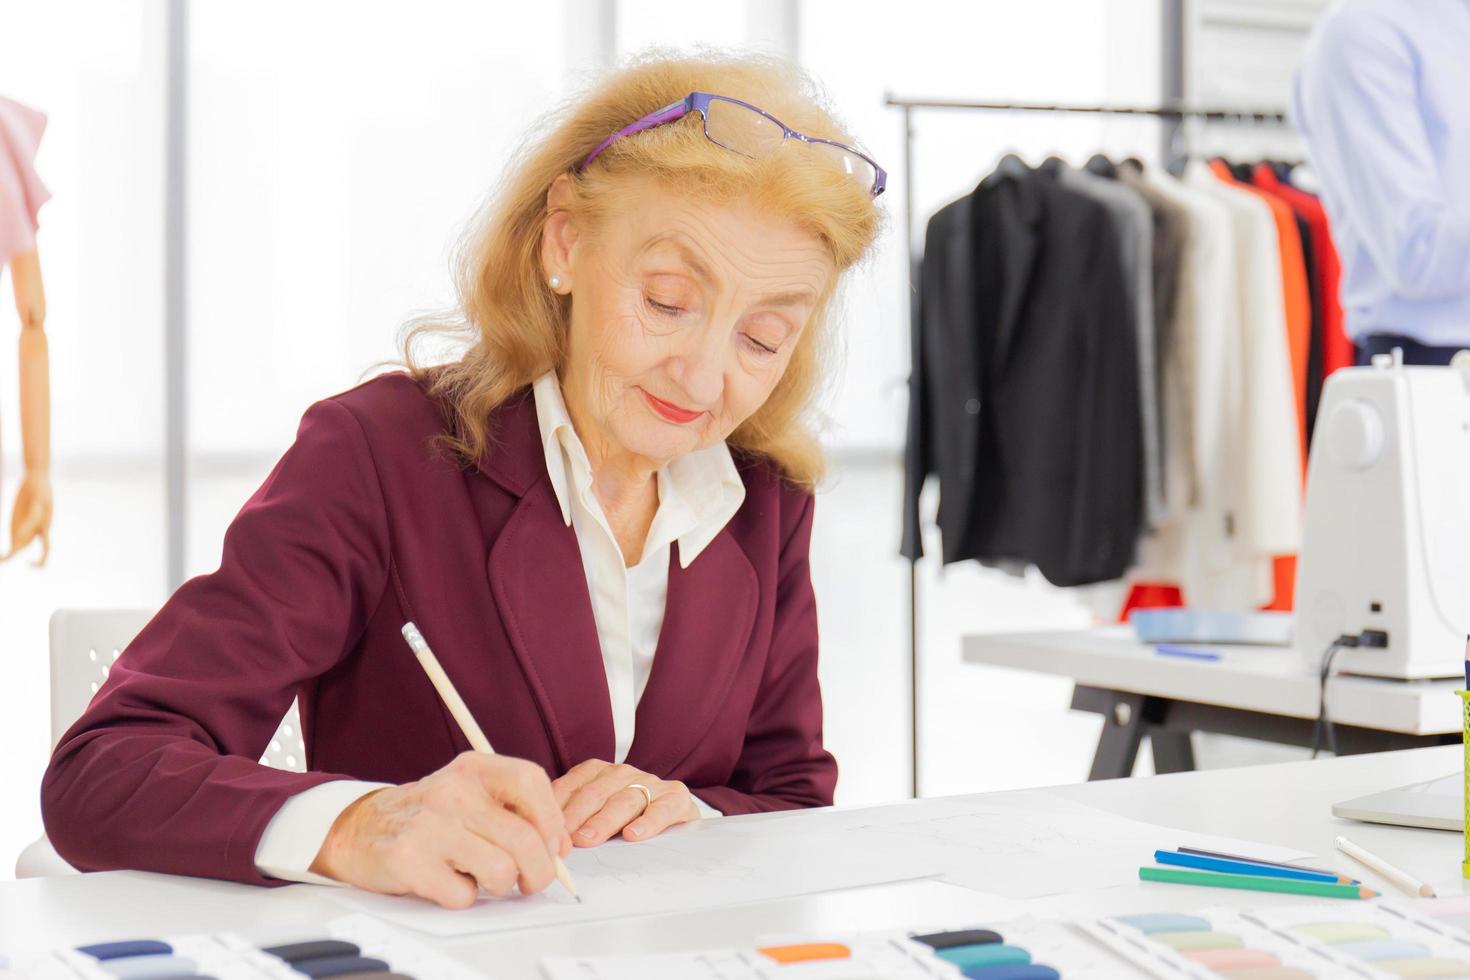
{"x": 1208, "y": 113}
{"x": 908, "y": 227}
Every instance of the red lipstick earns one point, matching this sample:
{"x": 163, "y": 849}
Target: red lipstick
{"x": 670, "y": 412}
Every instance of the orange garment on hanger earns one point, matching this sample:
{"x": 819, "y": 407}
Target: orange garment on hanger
{"x": 1295, "y": 290}
{"x": 1337, "y": 346}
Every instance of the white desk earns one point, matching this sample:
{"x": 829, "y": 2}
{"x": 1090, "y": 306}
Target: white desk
{"x": 1267, "y": 693}
{"x": 1283, "y": 804}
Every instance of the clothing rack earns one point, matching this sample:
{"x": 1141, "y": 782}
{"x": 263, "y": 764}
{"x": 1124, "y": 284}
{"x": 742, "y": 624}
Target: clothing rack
{"x": 1175, "y": 113}
{"x": 1211, "y": 114}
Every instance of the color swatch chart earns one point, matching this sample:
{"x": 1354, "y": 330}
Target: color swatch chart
{"x": 1451, "y": 915}
{"x": 1014, "y": 950}
{"x": 1379, "y": 940}
{"x": 355, "y": 946}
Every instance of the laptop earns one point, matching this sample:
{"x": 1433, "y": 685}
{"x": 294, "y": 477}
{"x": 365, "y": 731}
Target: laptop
{"x": 1438, "y": 804}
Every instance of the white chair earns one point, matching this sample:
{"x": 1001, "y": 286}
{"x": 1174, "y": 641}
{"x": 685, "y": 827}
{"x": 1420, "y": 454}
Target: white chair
{"x": 84, "y": 644}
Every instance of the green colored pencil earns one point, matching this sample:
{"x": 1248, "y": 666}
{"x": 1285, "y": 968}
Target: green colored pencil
{"x": 1255, "y": 883}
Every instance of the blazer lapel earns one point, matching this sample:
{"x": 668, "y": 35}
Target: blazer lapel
{"x": 708, "y": 619}
{"x": 540, "y": 587}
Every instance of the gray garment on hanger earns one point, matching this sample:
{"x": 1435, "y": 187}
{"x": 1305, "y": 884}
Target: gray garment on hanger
{"x": 1134, "y": 224}
{"x": 1173, "y": 340}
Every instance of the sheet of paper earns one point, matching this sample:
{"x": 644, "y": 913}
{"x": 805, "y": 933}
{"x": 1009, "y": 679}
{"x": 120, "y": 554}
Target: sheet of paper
{"x": 1018, "y": 846}
{"x": 704, "y": 866}
{"x": 1022, "y": 845}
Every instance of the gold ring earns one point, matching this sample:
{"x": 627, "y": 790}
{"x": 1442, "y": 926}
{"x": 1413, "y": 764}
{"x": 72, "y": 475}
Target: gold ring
{"x": 647, "y": 793}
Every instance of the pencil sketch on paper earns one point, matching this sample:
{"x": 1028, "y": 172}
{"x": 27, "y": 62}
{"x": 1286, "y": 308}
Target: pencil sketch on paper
{"x": 992, "y": 835}
{"x": 708, "y": 868}
{"x": 630, "y": 866}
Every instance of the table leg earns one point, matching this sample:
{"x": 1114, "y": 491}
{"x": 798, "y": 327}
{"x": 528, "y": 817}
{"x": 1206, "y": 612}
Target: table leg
{"x": 1173, "y": 751}
{"x": 1122, "y": 734}
{"x": 1127, "y": 718}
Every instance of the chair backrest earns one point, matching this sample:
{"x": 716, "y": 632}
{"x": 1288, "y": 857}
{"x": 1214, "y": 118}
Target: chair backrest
{"x": 84, "y": 644}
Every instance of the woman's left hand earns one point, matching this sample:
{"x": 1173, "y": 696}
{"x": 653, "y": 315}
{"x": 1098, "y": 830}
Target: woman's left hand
{"x": 598, "y": 799}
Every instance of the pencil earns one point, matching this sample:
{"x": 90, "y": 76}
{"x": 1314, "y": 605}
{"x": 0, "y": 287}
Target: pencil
{"x": 1201, "y": 863}
{"x": 467, "y": 723}
{"x": 1344, "y": 879}
{"x": 1399, "y": 878}
{"x": 1254, "y": 883}
{"x": 1174, "y": 650}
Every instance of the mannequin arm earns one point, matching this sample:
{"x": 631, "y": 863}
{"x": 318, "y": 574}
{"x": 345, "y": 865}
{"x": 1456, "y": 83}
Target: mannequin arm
{"x": 35, "y": 380}
{"x": 32, "y": 515}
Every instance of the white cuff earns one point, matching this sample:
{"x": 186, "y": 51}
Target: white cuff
{"x": 705, "y": 810}
{"x": 298, "y": 829}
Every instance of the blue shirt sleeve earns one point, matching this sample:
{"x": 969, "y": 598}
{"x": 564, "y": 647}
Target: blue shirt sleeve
{"x": 1357, "y": 99}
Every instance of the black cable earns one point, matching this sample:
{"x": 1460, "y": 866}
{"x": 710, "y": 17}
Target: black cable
{"x": 1322, "y": 700}
{"x": 1324, "y": 723}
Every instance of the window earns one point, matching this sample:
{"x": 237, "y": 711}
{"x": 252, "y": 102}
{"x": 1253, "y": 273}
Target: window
{"x": 336, "y": 150}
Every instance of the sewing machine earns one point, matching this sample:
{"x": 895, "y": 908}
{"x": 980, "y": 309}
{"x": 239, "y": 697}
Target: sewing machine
{"x": 1386, "y": 533}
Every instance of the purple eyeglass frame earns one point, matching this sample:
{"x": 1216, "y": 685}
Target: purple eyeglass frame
{"x": 699, "y": 102}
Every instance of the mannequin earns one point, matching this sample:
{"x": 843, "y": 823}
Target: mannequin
{"x": 21, "y": 197}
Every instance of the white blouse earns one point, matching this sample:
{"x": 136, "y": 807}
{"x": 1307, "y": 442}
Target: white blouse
{"x": 698, "y": 493}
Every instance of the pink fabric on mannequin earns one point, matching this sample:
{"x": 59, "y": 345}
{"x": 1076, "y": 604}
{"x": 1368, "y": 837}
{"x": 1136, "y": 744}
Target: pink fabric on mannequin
{"x": 21, "y": 190}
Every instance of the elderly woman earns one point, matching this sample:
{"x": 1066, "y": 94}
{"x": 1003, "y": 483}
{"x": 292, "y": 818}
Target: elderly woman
{"x": 599, "y": 519}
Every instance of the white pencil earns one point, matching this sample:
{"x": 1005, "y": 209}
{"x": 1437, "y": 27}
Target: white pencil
{"x": 1399, "y": 878}
{"x": 467, "y": 723}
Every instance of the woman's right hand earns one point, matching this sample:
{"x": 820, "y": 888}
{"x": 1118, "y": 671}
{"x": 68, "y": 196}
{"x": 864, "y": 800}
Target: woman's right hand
{"x": 483, "y": 821}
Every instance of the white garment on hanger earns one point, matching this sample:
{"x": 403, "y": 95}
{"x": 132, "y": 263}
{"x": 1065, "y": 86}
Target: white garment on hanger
{"x": 1257, "y": 461}
{"x": 1189, "y": 549}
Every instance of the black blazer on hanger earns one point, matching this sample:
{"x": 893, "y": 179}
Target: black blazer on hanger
{"x": 1023, "y": 396}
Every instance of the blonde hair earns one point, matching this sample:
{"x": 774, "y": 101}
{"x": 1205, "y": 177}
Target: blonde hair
{"x": 516, "y": 327}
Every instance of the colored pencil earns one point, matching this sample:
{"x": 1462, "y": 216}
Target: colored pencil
{"x": 1401, "y": 879}
{"x": 1172, "y": 650}
{"x": 1245, "y": 868}
{"x": 473, "y": 733}
{"x": 1254, "y": 883}
{"x": 1270, "y": 864}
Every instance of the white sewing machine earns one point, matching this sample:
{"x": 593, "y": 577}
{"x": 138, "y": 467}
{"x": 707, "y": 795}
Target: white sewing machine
{"x": 1386, "y": 534}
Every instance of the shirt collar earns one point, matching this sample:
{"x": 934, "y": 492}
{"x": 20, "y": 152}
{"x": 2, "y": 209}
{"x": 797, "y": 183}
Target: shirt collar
{"x": 698, "y": 492}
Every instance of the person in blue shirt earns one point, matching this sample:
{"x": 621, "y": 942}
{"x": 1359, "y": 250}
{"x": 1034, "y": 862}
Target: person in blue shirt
{"x": 1382, "y": 98}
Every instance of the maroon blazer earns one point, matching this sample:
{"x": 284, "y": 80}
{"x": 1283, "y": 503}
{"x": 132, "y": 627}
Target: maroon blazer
{"x": 365, "y": 524}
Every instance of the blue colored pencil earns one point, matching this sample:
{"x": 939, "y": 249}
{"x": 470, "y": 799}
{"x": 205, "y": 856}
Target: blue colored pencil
{"x": 1246, "y": 868}
{"x": 1170, "y": 650}
{"x": 1255, "y": 860}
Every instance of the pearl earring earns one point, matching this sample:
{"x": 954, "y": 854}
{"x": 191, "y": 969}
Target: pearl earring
{"x": 554, "y": 282}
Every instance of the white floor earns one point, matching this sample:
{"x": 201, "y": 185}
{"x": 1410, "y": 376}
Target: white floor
{"x": 982, "y": 729}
